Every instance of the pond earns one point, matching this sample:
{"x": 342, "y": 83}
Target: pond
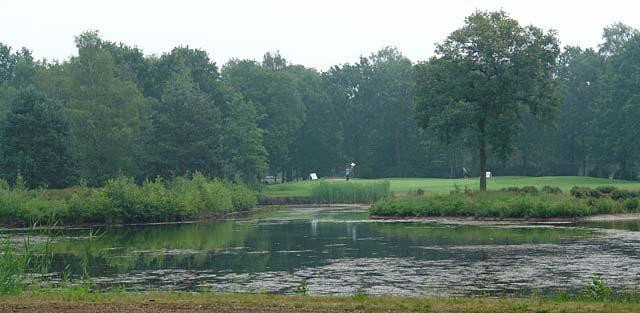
{"x": 338, "y": 250}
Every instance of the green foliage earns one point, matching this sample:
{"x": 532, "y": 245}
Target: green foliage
{"x": 24, "y": 262}
{"x": 121, "y": 200}
{"x": 531, "y": 190}
{"x": 19, "y": 206}
{"x": 473, "y": 84}
{"x": 242, "y": 197}
{"x": 303, "y": 288}
{"x": 597, "y": 289}
{"x": 35, "y": 140}
{"x": 370, "y": 118}
{"x": 489, "y": 87}
{"x": 551, "y": 190}
{"x": 350, "y": 192}
{"x": 611, "y": 192}
{"x": 185, "y": 129}
{"x": 107, "y": 113}
{"x": 274, "y": 95}
{"x": 244, "y": 149}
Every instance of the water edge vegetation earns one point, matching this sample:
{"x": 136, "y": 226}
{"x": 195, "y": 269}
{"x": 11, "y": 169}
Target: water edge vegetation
{"x": 122, "y": 200}
{"x": 514, "y": 202}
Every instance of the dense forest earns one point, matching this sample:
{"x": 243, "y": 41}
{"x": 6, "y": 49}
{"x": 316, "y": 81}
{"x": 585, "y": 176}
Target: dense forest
{"x": 112, "y": 110}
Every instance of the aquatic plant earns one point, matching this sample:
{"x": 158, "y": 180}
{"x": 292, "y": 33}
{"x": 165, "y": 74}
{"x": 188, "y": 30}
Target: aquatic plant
{"x": 303, "y": 288}
{"x": 597, "y": 289}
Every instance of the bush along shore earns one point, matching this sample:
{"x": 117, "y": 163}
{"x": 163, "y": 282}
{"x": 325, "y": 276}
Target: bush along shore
{"x": 121, "y": 200}
{"x": 525, "y": 202}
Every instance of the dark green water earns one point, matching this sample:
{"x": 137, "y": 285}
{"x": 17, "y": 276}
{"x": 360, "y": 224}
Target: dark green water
{"x": 340, "y": 251}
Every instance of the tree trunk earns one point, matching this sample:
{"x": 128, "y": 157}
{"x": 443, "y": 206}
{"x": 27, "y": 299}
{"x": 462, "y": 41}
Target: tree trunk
{"x": 483, "y": 158}
{"x": 483, "y": 165}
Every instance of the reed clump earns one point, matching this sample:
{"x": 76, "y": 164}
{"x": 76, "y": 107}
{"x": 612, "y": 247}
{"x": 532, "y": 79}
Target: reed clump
{"x": 350, "y": 192}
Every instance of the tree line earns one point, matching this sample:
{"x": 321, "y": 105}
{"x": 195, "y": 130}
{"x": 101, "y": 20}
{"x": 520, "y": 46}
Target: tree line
{"x": 112, "y": 110}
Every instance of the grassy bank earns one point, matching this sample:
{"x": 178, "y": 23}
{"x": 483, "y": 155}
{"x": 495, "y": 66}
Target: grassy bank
{"x": 78, "y": 301}
{"x": 514, "y": 202}
{"x": 434, "y": 186}
{"x": 121, "y": 200}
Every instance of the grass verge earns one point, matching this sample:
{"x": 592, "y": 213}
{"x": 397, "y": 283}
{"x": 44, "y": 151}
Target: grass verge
{"x": 205, "y": 302}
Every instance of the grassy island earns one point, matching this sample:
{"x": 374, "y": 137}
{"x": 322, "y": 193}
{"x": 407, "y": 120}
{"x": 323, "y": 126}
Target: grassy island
{"x": 513, "y": 202}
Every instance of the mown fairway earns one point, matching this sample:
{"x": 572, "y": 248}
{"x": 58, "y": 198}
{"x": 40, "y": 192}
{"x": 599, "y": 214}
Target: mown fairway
{"x": 401, "y": 186}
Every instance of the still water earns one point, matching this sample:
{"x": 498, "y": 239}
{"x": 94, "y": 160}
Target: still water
{"x": 338, "y": 250}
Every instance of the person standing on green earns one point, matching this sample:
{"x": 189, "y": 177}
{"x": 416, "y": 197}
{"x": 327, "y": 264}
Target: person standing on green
{"x": 348, "y": 171}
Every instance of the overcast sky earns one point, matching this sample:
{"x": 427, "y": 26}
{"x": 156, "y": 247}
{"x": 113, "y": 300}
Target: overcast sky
{"x": 313, "y": 33}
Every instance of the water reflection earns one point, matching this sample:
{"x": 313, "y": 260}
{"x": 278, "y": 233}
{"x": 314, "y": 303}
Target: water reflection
{"x": 340, "y": 251}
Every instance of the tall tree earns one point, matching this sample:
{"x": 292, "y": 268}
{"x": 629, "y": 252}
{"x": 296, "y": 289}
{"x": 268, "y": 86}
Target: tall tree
{"x": 618, "y": 111}
{"x": 243, "y": 153}
{"x": 108, "y": 113}
{"x": 35, "y": 141}
{"x": 483, "y": 76}
{"x": 580, "y": 72}
{"x": 277, "y": 102}
{"x": 615, "y": 38}
{"x": 374, "y": 102}
{"x": 185, "y": 130}
{"x": 318, "y": 144}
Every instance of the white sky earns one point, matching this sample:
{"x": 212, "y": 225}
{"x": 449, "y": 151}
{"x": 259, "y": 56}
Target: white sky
{"x": 317, "y": 33}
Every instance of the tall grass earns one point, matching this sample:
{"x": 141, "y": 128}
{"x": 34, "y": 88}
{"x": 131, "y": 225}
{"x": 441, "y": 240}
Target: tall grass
{"x": 350, "y": 192}
{"x": 121, "y": 200}
{"x": 503, "y": 204}
{"x": 25, "y": 263}
{"x": 21, "y": 262}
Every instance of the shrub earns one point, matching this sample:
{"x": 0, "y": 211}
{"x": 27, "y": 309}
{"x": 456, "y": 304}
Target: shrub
{"x": 619, "y": 194}
{"x": 605, "y": 189}
{"x": 122, "y": 200}
{"x": 242, "y": 197}
{"x": 531, "y": 190}
{"x": 551, "y": 190}
{"x": 584, "y": 192}
{"x": 92, "y": 206}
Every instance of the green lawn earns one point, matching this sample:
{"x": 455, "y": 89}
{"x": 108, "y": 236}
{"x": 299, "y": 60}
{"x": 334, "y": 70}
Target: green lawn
{"x": 401, "y": 186}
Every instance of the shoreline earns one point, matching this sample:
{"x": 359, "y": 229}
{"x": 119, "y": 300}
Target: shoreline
{"x": 220, "y": 217}
{"x": 591, "y": 218}
{"x": 437, "y": 219}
